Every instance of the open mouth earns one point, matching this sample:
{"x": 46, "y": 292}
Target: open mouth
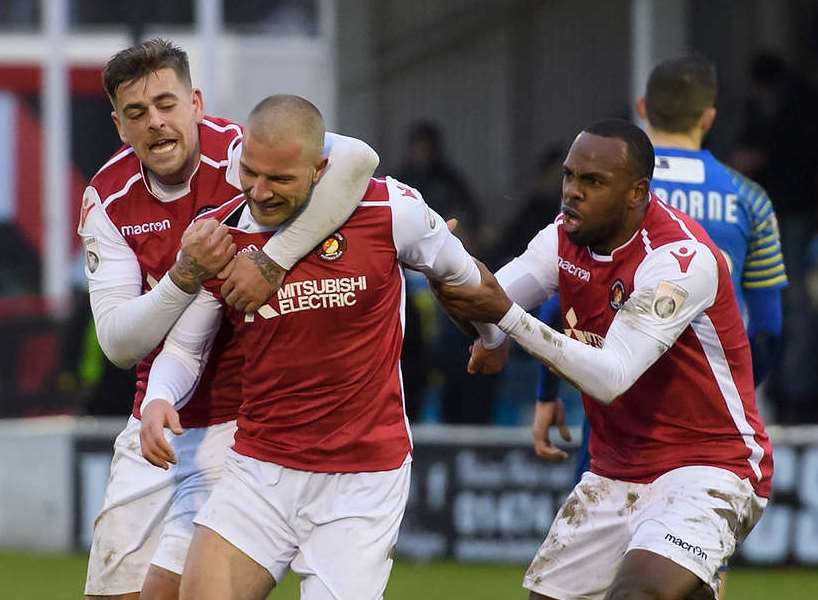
{"x": 163, "y": 146}
{"x": 571, "y": 219}
{"x": 269, "y": 206}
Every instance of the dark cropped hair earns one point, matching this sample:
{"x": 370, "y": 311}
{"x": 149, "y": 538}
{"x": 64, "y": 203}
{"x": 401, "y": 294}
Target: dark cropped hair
{"x": 679, "y": 91}
{"x": 137, "y": 61}
{"x": 641, "y": 158}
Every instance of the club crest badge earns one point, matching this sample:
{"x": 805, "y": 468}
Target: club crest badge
{"x": 617, "y": 296}
{"x": 333, "y": 247}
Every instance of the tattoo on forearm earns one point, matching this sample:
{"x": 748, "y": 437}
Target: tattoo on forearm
{"x": 269, "y": 270}
{"x": 188, "y": 273}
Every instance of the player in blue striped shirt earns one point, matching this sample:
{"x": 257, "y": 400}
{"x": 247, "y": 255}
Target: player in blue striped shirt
{"x": 679, "y": 106}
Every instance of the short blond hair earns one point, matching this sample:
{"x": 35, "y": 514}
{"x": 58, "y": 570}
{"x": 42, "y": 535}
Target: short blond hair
{"x": 286, "y": 114}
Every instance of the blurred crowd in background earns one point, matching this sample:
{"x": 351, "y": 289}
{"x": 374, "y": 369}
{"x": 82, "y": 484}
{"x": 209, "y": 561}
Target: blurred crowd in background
{"x": 52, "y": 366}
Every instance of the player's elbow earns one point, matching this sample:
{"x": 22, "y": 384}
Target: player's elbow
{"x": 605, "y": 395}
{"x": 120, "y": 357}
{"x": 360, "y": 157}
{"x": 610, "y": 386}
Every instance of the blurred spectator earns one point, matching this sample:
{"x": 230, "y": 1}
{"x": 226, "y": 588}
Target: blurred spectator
{"x": 19, "y": 262}
{"x": 444, "y": 189}
{"x": 777, "y": 148}
{"x": 540, "y": 207}
{"x": 463, "y": 398}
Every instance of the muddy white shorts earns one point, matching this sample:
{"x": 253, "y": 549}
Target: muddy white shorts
{"x": 693, "y": 516}
{"x": 147, "y": 514}
{"x": 335, "y": 530}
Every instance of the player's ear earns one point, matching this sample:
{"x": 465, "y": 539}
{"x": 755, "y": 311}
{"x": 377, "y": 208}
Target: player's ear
{"x": 640, "y": 190}
{"x": 707, "y": 119}
{"x": 198, "y": 104}
{"x": 320, "y": 166}
{"x": 641, "y": 109}
{"x": 118, "y": 126}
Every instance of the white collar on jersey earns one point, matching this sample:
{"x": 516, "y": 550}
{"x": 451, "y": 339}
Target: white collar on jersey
{"x": 164, "y": 192}
{"x": 248, "y": 223}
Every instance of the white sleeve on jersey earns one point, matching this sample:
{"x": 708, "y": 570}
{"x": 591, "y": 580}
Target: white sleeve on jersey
{"x": 334, "y": 198}
{"x": 129, "y": 324}
{"x": 175, "y": 371}
{"x": 234, "y": 164}
{"x": 530, "y": 279}
{"x": 424, "y": 243}
{"x": 533, "y": 277}
{"x": 668, "y": 294}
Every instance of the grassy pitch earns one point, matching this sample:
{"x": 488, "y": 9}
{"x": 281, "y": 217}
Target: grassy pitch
{"x": 61, "y": 577}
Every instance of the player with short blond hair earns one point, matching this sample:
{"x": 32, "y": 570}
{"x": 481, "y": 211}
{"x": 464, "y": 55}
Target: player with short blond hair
{"x": 318, "y": 479}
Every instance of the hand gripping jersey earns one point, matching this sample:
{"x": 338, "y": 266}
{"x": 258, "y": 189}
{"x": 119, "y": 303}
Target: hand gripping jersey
{"x": 321, "y": 380}
{"x": 735, "y": 212}
{"x": 695, "y": 405}
{"x": 134, "y": 211}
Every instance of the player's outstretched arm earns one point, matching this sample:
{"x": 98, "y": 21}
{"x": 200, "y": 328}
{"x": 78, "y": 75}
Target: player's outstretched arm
{"x": 528, "y": 280}
{"x": 253, "y": 277}
{"x": 425, "y": 243}
{"x": 129, "y": 324}
{"x": 664, "y": 303}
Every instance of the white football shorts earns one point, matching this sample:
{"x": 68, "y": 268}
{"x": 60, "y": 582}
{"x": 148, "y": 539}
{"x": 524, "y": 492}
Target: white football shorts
{"x": 147, "y": 514}
{"x": 693, "y": 516}
{"x": 337, "y": 531}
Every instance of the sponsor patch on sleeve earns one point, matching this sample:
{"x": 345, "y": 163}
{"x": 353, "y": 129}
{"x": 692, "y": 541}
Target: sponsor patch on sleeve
{"x": 92, "y": 256}
{"x": 430, "y": 219}
{"x": 668, "y": 299}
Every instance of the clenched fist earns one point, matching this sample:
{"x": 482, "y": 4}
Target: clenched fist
{"x": 207, "y": 247}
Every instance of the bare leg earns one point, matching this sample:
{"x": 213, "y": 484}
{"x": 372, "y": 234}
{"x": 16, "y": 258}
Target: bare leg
{"x": 645, "y": 575}
{"x": 723, "y": 586}
{"x": 161, "y": 584}
{"x": 217, "y": 570}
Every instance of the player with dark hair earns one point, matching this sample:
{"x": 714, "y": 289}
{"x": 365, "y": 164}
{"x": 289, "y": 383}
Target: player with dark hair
{"x": 679, "y": 105}
{"x": 681, "y": 466}
{"x": 175, "y": 163}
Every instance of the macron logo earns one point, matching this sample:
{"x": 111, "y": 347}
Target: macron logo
{"x": 140, "y": 228}
{"x": 574, "y": 270}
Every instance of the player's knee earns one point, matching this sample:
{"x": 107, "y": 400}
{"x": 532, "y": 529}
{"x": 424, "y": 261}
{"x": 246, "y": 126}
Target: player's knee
{"x": 131, "y": 596}
{"x": 190, "y": 587}
{"x": 634, "y": 588}
{"x": 161, "y": 584}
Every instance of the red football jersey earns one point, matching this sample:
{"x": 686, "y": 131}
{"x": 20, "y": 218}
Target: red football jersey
{"x": 321, "y": 380}
{"x": 153, "y": 229}
{"x": 696, "y": 404}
